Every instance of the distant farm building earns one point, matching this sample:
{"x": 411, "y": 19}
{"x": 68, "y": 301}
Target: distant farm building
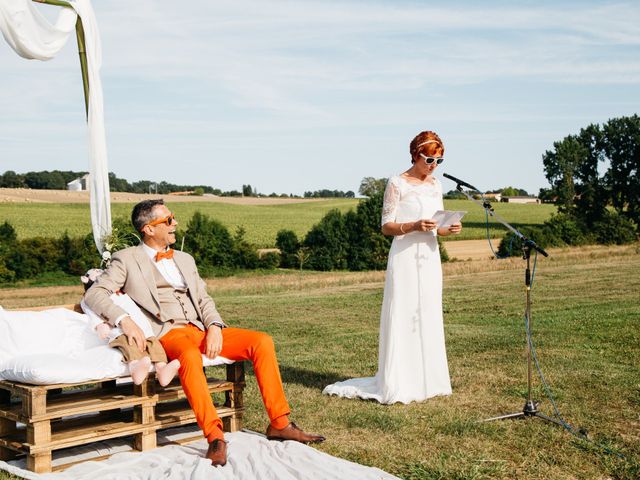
{"x": 79, "y": 184}
{"x": 520, "y": 200}
{"x": 497, "y": 196}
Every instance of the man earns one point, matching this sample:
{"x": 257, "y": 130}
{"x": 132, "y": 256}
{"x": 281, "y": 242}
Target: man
{"x": 166, "y": 285}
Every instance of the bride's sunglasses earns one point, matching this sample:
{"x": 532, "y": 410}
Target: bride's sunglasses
{"x": 430, "y": 160}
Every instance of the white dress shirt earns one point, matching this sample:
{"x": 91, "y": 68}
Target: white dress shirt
{"x": 167, "y": 268}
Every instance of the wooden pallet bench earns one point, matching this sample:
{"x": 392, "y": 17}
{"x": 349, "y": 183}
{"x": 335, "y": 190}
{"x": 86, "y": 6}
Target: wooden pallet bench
{"x": 36, "y": 420}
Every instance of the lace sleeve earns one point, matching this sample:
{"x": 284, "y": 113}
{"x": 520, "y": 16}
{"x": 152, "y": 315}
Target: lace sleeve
{"x": 390, "y": 203}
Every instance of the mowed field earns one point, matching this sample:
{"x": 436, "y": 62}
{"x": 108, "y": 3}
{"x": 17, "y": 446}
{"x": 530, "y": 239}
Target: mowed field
{"x": 261, "y": 218}
{"x": 586, "y": 325}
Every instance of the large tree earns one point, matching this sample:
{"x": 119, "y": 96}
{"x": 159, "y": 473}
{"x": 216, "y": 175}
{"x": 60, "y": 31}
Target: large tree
{"x": 370, "y": 186}
{"x": 576, "y": 171}
{"x": 11, "y": 179}
{"x": 591, "y": 195}
{"x": 621, "y": 146}
{"x": 560, "y": 166}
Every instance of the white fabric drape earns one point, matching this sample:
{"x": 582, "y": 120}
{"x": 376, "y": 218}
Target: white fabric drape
{"x": 33, "y": 37}
{"x": 30, "y": 34}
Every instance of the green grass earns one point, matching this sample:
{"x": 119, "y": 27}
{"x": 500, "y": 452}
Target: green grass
{"x": 262, "y": 222}
{"x": 586, "y": 324}
{"x": 518, "y": 215}
{"x": 588, "y": 340}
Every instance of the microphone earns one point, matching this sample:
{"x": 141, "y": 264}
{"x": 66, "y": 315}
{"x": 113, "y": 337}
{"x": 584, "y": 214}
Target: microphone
{"x": 460, "y": 182}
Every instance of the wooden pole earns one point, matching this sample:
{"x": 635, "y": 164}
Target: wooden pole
{"x": 82, "y": 52}
{"x": 57, "y": 3}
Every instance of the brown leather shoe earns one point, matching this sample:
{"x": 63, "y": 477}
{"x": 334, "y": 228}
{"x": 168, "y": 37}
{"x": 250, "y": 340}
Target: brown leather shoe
{"x": 292, "y": 432}
{"x": 217, "y": 452}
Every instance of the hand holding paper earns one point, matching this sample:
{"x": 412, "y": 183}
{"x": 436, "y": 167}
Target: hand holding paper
{"x": 446, "y": 218}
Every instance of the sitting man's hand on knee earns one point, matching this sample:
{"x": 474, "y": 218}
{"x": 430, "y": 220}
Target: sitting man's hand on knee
{"x": 213, "y": 341}
{"x": 133, "y": 332}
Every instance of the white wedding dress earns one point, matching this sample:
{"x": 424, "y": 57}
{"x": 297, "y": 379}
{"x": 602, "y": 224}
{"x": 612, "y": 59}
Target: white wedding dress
{"x": 412, "y": 360}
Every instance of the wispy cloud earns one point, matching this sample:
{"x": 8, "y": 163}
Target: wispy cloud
{"x": 268, "y": 54}
{"x": 290, "y": 71}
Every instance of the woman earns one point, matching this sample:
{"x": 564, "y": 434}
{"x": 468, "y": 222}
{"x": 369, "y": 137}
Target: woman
{"x": 412, "y": 362}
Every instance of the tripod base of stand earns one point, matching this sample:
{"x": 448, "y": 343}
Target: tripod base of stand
{"x": 530, "y": 409}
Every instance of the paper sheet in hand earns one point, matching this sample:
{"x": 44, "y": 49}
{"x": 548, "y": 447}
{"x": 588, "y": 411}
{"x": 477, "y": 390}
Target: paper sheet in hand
{"x": 446, "y": 218}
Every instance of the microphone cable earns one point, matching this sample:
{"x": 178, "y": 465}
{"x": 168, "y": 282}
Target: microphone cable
{"x": 495, "y": 254}
{"x": 581, "y": 433}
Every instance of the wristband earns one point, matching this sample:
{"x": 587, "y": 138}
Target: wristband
{"x": 402, "y": 229}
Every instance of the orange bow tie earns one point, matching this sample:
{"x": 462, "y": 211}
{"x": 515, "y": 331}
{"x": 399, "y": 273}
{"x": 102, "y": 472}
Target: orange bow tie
{"x": 168, "y": 255}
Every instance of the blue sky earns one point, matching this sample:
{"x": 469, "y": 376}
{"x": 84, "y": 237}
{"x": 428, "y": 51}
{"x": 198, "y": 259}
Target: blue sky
{"x": 295, "y": 96}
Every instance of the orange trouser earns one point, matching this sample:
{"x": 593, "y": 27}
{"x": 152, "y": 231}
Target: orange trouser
{"x": 188, "y": 343}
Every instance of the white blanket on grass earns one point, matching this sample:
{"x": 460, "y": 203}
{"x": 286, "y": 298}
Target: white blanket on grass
{"x": 58, "y": 346}
{"x": 250, "y": 457}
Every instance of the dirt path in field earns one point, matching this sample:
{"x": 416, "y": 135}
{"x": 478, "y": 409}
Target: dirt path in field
{"x": 469, "y": 249}
{"x": 26, "y": 195}
{"x": 13, "y": 298}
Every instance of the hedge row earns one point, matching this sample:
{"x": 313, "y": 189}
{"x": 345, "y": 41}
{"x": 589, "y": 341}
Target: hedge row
{"x": 28, "y": 258}
{"x": 565, "y": 230}
{"x": 350, "y": 241}
{"x": 212, "y": 245}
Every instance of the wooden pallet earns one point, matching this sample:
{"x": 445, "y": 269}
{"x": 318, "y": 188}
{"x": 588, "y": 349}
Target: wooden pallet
{"x": 36, "y": 420}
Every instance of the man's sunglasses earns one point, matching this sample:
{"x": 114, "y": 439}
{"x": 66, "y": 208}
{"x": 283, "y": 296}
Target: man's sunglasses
{"x": 430, "y": 160}
{"x": 167, "y": 220}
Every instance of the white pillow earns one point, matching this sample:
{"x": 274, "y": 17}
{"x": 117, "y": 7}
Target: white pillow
{"x": 49, "y": 368}
{"x": 58, "y": 346}
{"x": 93, "y": 364}
{"x": 57, "y": 330}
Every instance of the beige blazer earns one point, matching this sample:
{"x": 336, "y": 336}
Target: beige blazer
{"x": 131, "y": 271}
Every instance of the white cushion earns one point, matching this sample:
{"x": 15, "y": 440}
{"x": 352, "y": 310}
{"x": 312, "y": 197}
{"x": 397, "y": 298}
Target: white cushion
{"x": 58, "y": 346}
{"x": 48, "y": 368}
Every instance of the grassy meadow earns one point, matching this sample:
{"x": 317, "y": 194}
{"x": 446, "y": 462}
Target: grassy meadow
{"x": 586, "y": 324}
{"x": 261, "y": 222}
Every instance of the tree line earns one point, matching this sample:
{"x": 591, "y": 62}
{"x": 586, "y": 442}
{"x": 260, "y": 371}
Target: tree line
{"x": 596, "y": 169}
{"x": 325, "y": 193}
{"x": 58, "y": 180}
{"x": 349, "y": 241}
{"x": 595, "y": 182}
{"x": 594, "y": 178}
{"x": 369, "y": 186}
{"x": 505, "y": 192}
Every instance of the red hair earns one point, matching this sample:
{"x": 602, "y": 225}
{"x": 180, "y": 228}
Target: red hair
{"x": 428, "y": 143}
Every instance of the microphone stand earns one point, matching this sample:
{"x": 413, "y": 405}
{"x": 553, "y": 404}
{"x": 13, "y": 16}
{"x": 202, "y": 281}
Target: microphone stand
{"x": 530, "y": 408}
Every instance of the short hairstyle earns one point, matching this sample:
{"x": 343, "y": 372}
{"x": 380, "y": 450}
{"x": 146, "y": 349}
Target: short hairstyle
{"x": 418, "y": 145}
{"x": 143, "y": 213}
